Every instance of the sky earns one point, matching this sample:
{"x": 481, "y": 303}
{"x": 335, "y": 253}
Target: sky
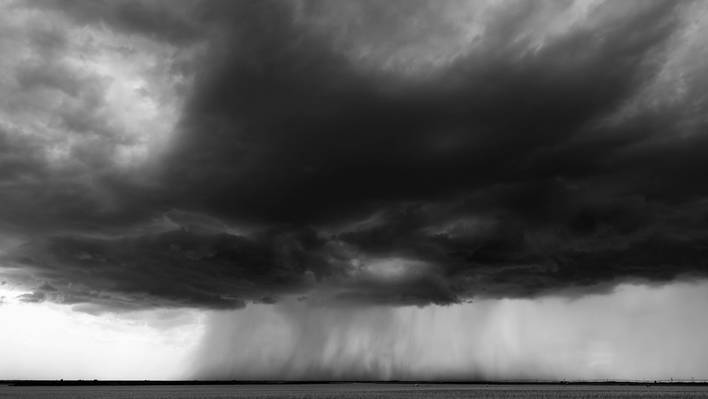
{"x": 358, "y": 189}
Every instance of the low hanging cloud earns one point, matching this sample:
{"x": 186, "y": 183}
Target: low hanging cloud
{"x": 211, "y": 154}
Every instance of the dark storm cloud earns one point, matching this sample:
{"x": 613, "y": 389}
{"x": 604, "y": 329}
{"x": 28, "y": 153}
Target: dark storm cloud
{"x": 285, "y": 125}
{"x": 174, "y": 268}
{"x": 340, "y": 150}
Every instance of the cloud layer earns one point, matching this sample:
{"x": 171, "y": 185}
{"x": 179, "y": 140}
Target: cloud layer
{"x": 211, "y": 154}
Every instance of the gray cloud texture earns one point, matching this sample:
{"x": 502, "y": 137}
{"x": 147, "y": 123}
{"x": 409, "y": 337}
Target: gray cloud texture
{"x": 215, "y": 153}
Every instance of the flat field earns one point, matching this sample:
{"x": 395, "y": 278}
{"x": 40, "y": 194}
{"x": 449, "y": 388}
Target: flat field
{"x": 353, "y": 391}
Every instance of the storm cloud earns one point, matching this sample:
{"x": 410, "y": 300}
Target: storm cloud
{"x": 210, "y": 154}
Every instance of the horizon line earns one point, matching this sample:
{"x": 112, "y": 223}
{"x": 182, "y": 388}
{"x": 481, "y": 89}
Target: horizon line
{"x": 97, "y": 382}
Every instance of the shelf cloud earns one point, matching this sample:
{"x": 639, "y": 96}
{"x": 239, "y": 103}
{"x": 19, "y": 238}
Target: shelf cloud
{"x": 215, "y": 154}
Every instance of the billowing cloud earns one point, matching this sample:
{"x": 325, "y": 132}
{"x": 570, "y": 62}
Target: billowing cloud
{"x": 211, "y": 154}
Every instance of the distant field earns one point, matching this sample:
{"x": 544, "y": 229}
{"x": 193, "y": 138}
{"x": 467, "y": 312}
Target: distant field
{"x": 353, "y": 391}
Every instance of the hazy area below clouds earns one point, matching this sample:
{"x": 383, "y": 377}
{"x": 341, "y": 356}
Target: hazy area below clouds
{"x": 635, "y": 332}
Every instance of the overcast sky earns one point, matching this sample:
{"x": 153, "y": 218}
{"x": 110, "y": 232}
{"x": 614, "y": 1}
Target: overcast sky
{"x": 384, "y": 183}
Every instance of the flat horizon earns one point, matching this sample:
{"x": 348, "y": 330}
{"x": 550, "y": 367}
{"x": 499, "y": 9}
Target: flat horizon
{"x": 305, "y": 382}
